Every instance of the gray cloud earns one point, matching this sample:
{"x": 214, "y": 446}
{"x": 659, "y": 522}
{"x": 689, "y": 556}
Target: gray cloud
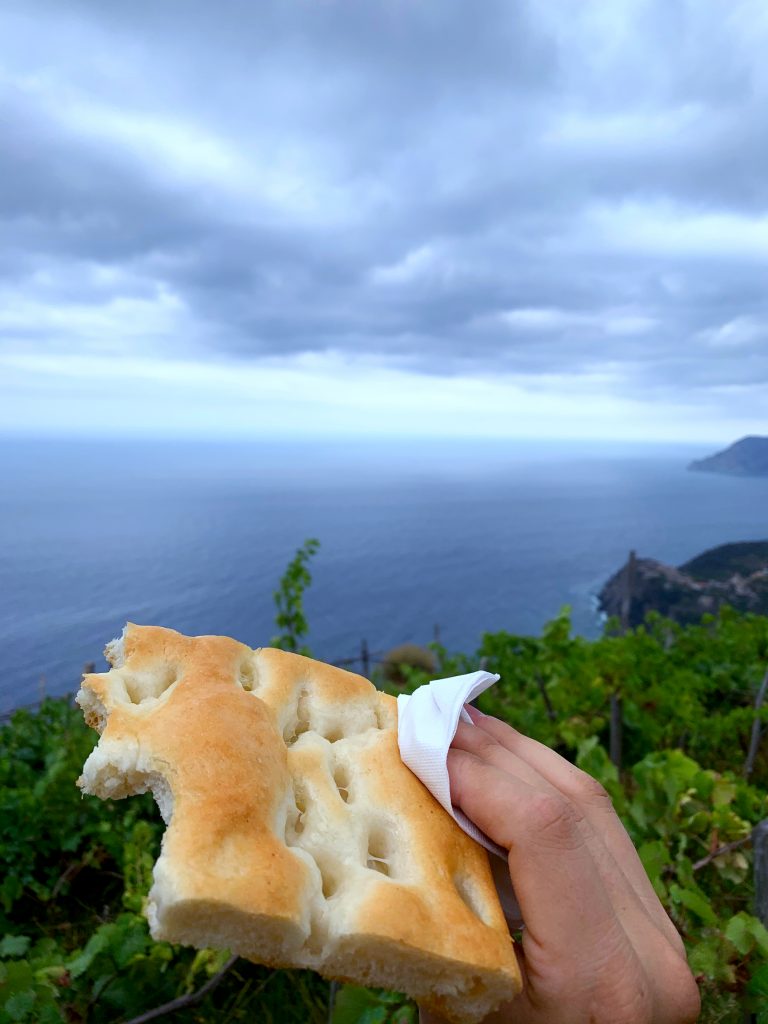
{"x": 505, "y": 188}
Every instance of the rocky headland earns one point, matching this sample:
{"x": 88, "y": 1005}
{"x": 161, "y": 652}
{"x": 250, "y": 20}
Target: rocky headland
{"x": 747, "y": 457}
{"x": 731, "y": 574}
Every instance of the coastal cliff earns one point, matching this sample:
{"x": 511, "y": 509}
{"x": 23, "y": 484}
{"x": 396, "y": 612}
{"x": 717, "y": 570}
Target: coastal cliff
{"x": 731, "y": 574}
{"x": 747, "y": 457}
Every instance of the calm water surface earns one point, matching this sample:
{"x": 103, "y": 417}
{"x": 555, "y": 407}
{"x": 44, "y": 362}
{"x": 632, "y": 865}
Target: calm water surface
{"x": 471, "y": 537}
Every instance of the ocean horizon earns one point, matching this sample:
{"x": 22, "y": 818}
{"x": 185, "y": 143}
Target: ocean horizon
{"x": 465, "y": 537}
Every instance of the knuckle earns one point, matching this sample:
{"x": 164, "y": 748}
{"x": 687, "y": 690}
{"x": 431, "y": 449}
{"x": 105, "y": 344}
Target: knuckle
{"x": 554, "y": 817}
{"x": 690, "y": 1003}
{"x": 628, "y": 1004}
{"x": 681, "y": 991}
{"x": 467, "y": 772}
{"x": 667, "y": 996}
{"x": 591, "y": 791}
{"x": 483, "y": 742}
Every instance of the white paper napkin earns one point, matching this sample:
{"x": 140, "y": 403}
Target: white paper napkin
{"x": 427, "y": 721}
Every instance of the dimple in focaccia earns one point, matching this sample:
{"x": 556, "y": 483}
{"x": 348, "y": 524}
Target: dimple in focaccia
{"x": 295, "y": 835}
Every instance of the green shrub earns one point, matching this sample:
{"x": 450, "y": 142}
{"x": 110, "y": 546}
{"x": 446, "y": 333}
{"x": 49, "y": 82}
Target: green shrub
{"x": 397, "y": 664}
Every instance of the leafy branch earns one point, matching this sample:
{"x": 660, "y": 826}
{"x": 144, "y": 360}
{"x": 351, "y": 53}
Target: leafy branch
{"x": 185, "y": 1001}
{"x": 720, "y": 851}
{"x": 289, "y": 599}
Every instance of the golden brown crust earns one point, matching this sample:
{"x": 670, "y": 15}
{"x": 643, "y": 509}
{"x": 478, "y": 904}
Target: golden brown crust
{"x": 292, "y": 809}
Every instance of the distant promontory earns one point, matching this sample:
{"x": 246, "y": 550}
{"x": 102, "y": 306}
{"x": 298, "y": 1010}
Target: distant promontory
{"x": 747, "y": 457}
{"x": 732, "y": 574}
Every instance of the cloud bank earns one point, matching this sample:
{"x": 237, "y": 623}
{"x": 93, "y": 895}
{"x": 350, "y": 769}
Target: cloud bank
{"x": 553, "y": 218}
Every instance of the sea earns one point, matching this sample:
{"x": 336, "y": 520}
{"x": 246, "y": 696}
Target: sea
{"x": 418, "y": 540}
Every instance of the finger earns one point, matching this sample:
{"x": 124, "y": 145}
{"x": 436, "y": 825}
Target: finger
{"x": 486, "y": 747}
{"x": 636, "y": 918}
{"x": 592, "y": 800}
{"x": 577, "y": 786}
{"x": 561, "y": 894}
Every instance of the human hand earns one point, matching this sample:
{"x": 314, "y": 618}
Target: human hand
{"x": 597, "y": 946}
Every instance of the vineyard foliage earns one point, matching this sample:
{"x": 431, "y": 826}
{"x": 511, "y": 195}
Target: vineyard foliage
{"x": 74, "y": 872}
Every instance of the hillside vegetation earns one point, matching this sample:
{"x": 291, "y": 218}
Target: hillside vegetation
{"x": 74, "y": 871}
{"x": 731, "y": 575}
{"x": 742, "y": 558}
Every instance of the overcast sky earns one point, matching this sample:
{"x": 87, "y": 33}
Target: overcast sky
{"x": 544, "y": 219}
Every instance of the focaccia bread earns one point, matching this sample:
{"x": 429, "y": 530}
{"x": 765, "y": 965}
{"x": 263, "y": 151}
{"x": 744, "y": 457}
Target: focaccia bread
{"x": 295, "y": 836}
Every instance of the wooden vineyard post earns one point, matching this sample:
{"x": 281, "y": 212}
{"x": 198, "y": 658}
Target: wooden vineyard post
{"x": 333, "y": 991}
{"x": 365, "y": 659}
{"x": 551, "y": 714}
{"x": 754, "y": 739}
{"x": 615, "y": 738}
{"x": 760, "y": 848}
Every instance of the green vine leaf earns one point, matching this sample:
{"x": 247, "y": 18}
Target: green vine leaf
{"x": 14, "y": 945}
{"x": 695, "y": 902}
